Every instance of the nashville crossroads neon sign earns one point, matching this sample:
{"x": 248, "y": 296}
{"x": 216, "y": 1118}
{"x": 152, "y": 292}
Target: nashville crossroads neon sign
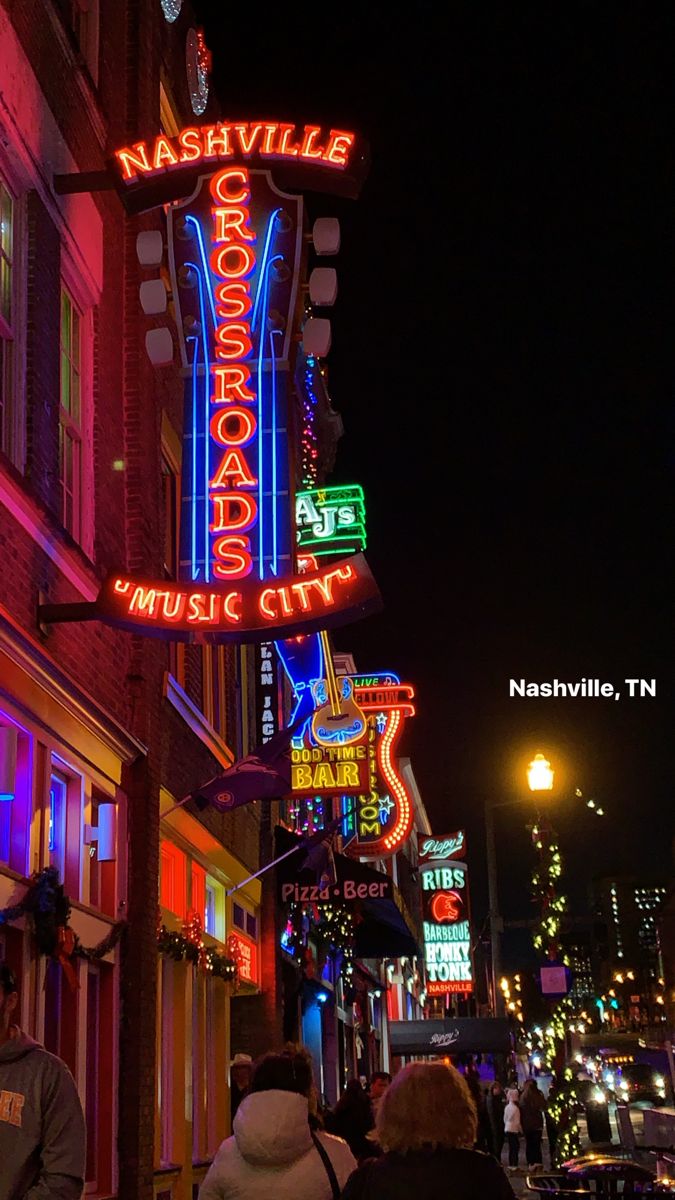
{"x": 209, "y": 144}
{"x": 335, "y": 595}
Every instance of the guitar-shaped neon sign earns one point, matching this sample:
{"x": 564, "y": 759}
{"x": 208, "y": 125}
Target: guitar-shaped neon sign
{"x": 337, "y": 717}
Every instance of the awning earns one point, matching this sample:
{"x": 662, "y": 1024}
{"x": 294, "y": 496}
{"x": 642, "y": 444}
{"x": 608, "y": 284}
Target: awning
{"x": 382, "y": 927}
{"x": 466, "y": 1035}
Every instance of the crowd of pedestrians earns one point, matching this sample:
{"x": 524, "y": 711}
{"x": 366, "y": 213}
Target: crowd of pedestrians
{"x": 430, "y": 1131}
{"x": 415, "y": 1133}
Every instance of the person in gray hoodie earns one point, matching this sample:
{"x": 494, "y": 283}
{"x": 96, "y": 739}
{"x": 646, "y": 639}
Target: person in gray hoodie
{"x": 42, "y": 1131}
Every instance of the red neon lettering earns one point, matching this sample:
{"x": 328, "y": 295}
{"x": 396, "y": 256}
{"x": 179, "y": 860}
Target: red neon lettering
{"x": 312, "y": 132}
{"x": 232, "y": 557}
{"x": 234, "y": 218}
{"x": 217, "y": 141}
{"x": 197, "y": 602}
{"x": 121, "y": 586}
{"x": 229, "y": 602}
{"x": 218, "y": 186}
{"x": 233, "y": 340}
{"x": 164, "y": 154}
{"x": 234, "y": 261}
{"x": 233, "y": 426}
{"x": 133, "y": 159}
{"x": 263, "y": 603}
{"x": 247, "y": 140}
{"x": 338, "y": 147}
{"x": 233, "y": 300}
{"x": 233, "y": 510}
{"x": 267, "y": 146}
{"x": 301, "y": 590}
{"x": 233, "y": 470}
{"x": 230, "y": 222}
{"x": 287, "y": 132}
{"x": 176, "y": 612}
{"x": 286, "y": 606}
{"x": 190, "y": 142}
{"x": 231, "y": 383}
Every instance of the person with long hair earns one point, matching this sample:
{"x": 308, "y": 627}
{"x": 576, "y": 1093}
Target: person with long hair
{"x": 532, "y": 1108}
{"x": 426, "y": 1126}
{"x": 352, "y": 1119}
{"x": 274, "y": 1151}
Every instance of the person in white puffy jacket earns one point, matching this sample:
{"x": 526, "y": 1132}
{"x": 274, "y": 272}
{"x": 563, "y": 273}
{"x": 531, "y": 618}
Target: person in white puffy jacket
{"x": 273, "y": 1153}
{"x": 512, "y": 1127}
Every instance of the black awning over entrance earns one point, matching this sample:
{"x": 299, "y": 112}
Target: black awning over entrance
{"x": 382, "y": 928}
{"x": 466, "y": 1035}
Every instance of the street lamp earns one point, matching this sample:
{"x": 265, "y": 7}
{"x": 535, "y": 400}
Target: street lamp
{"x": 540, "y": 778}
{"x": 540, "y": 774}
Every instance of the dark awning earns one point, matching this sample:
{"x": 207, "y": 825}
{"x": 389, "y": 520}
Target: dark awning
{"x": 466, "y": 1035}
{"x": 382, "y": 927}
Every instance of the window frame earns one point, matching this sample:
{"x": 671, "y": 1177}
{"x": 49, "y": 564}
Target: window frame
{"x": 83, "y": 511}
{"x": 13, "y": 334}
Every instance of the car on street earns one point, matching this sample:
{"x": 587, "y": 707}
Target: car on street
{"x": 639, "y": 1081}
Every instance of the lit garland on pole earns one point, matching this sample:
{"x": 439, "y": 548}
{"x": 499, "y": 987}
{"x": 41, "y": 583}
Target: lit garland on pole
{"x": 551, "y": 908}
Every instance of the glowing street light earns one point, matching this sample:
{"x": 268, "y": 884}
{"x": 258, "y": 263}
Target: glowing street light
{"x": 540, "y": 774}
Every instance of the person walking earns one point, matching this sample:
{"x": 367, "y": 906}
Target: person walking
{"x": 352, "y": 1119}
{"x": 512, "y": 1127}
{"x": 42, "y": 1130}
{"x": 379, "y": 1082}
{"x": 532, "y": 1107}
{"x": 496, "y": 1103}
{"x": 241, "y": 1069}
{"x": 426, "y": 1126}
{"x": 273, "y": 1150}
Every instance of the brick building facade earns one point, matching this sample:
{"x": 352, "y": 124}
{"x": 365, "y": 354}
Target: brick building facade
{"x": 89, "y": 477}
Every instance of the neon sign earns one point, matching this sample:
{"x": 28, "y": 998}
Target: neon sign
{"x": 446, "y": 918}
{"x": 207, "y": 145}
{"x": 235, "y": 247}
{"x": 384, "y": 814}
{"x": 248, "y": 612}
{"x": 331, "y": 520}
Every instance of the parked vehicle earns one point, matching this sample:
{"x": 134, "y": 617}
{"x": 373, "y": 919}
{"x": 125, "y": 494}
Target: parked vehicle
{"x": 639, "y": 1081}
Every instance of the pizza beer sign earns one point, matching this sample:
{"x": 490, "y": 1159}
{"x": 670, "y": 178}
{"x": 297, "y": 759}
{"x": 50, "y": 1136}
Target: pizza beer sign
{"x": 446, "y": 918}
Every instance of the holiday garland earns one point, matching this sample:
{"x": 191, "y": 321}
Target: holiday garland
{"x": 187, "y": 945}
{"x": 47, "y": 908}
{"x": 551, "y": 906}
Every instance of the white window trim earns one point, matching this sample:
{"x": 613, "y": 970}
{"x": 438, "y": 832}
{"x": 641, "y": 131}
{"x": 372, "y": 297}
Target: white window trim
{"x": 17, "y": 438}
{"x": 85, "y": 305}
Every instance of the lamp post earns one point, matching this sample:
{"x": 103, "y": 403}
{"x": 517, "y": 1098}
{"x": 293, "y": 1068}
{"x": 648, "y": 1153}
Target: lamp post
{"x": 540, "y": 779}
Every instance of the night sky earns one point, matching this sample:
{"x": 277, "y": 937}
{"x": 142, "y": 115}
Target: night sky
{"x": 505, "y": 303}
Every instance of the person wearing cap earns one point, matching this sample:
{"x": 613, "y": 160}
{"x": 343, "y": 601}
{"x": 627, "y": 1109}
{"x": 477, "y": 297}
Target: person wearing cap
{"x": 241, "y": 1069}
{"x": 42, "y": 1130}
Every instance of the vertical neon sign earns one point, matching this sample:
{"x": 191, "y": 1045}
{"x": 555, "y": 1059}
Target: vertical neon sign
{"x": 235, "y": 255}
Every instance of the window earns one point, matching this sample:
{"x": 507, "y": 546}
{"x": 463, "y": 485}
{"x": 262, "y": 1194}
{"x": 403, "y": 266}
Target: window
{"x": 70, "y": 420}
{"x": 58, "y": 807}
{"x": 199, "y": 891}
{"x": 210, "y": 913}
{"x": 244, "y": 920}
{"x": 173, "y": 879}
{"x": 214, "y": 921}
{"x": 11, "y": 432}
{"x": 85, "y": 28}
{"x": 214, "y": 684}
{"x": 171, "y": 492}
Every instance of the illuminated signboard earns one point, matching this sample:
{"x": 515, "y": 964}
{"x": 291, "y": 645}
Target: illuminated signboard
{"x": 235, "y": 250}
{"x": 446, "y": 925}
{"x": 453, "y": 845}
{"x": 331, "y": 520}
{"x": 247, "y": 612}
{"x": 159, "y": 170}
{"x": 384, "y": 814}
{"x": 246, "y": 953}
{"x": 266, "y": 692}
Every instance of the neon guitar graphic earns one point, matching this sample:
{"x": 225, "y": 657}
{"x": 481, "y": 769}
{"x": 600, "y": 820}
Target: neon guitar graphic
{"x": 337, "y": 717}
